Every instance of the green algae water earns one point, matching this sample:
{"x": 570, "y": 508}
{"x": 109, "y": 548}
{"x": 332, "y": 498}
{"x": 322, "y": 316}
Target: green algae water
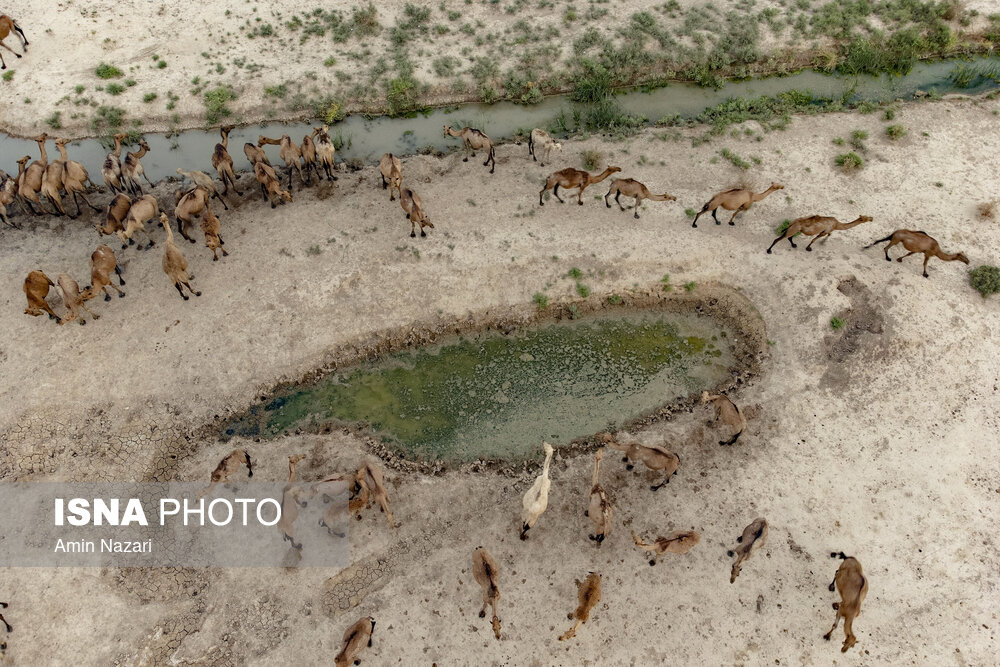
{"x": 497, "y": 397}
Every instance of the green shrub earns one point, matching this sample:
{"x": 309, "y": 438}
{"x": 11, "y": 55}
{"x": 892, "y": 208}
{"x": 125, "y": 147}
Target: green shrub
{"x": 148, "y": 97}
{"x": 850, "y": 161}
{"x": 401, "y": 95}
{"x": 985, "y": 280}
{"x": 540, "y": 300}
{"x": 8, "y": 75}
{"x": 215, "y": 101}
{"x": 592, "y": 160}
{"x": 114, "y": 89}
{"x": 837, "y": 323}
{"x": 54, "y": 121}
{"x": 106, "y": 71}
{"x": 895, "y": 131}
{"x": 582, "y": 290}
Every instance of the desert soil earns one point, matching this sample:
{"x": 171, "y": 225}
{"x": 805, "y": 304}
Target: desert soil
{"x": 878, "y": 439}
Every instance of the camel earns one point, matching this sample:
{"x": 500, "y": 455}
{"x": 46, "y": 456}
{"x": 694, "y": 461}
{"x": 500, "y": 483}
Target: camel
{"x": 255, "y": 154}
{"x": 174, "y": 264}
{"x": 203, "y": 180}
{"x": 112, "y": 169}
{"x": 727, "y": 412}
{"x": 633, "y": 188}
{"x": 115, "y": 215}
{"x": 474, "y": 140}
{"x": 270, "y": 187}
{"x": 223, "y": 162}
{"x": 816, "y": 224}
{"x": 211, "y": 227}
{"x": 52, "y": 182}
{"x": 679, "y": 542}
{"x": 536, "y": 499}
{"x": 917, "y": 242}
{"x": 75, "y": 178}
{"x": 30, "y": 182}
{"x": 754, "y": 536}
{"x": 289, "y": 152}
{"x": 371, "y": 486}
{"x": 852, "y": 585}
{"x": 410, "y": 201}
{"x": 192, "y": 203}
{"x": 392, "y": 174}
{"x": 573, "y": 178}
{"x": 24, "y": 203}
{"x": 356, "y": 638}
{"x": 487, "y": 575}
{"x": 655, "y": 458}
{"x": 736, "y": 199}
{"x": 309, "y": 160}
{"x": 142, "y": 210}
{"x": 588, "y": 595}
{"x": 599, "y": 511}
{"x": 229, "y": 464}
{"x": 102, "y": 264}
{"x": 36, "y": 288}
{"x": 291, "y": 500}
{"x": 132, "y": 169}
{"x": 325, "y": 150}
{"x": 7, "y": 26}
{"x": 73, "y": 300}
{"x": 541, "y": 138}
{"x": 8, "y": 193}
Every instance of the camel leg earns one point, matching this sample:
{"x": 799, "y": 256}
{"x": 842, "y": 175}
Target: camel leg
{"x": 89, "y": 311}
{"x": 3, "y": 65}
{"x": 413, "y": 227}
{"x": 6, "y": 624}
{"x": 713, "y": 215}
{"x": 926, "y": 258}
{"x": 219, "y": 197}
{"x": 555, "y": 193}
{"x": 180, "y": 228}
{"x": 180, "y": 291}
{"x": 836, "y": 622}
{"x": 147, "y": 180}
{"x": 191, "y": 289}
{"x": 820, "y": 235}
{"x": 638, "y": 200}
{"x": 48, "y": 309}
{"x": 84, "y": 196}
{"x": 385, "y": 183}
{"x": 736, "y": 213}
{"x": 11, "y": 50}
{"x": 579, "y": 195}
{"x": 24, "y": 40}
{"x": 902, "y": 257}
{"x": 775, "y": 241}
{"x": 606, "y": 203}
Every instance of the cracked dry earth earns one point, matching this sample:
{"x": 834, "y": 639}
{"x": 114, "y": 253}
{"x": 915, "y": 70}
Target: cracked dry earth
{"x": 879, "y": 439}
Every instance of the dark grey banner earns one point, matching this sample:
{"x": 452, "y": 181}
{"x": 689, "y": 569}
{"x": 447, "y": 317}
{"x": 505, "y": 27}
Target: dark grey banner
{"x": 247, "y": 524}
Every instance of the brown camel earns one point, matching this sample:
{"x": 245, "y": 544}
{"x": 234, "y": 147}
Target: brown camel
{"x": 474, "y": 140}
{"x": 29, "y": 183}
{"x": 52, "y": 180}
{"x": 132, "y": 169}
{"x": 309, "y": 159}
{"x": 102, "y": 264}
{"x": 588, "y": 595}
{"x": 633, "y": 188}
{"x": 7, "y": 26}
{"x": 816, "y": 226}
{"x": 679, "y": 542}
{"x": 8, "y": 192}
{"x": 487, "y": 575}
{"x": 852, "y": 585}
{"x": 391, "y": 169}
{"x": 573, "y": 178}
{"x": 325, "y": 151}
{"x": 112, "y": 169}
{"x": 203, "y": 180}
{"x": 75, "y": 177}
{"x": 917, "y": 242}
{"x": 36, "y": 288}
{"x": 175, "y": 265}
{"x": 223, "y": 161}
{"x": 290, "y": 153}
{"x": 270, "y": 186}
{"x": 737, "y": 199}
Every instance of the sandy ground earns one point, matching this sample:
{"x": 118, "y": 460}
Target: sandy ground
{"x": 211, "y": 47}
{"x": 879, "y": 440}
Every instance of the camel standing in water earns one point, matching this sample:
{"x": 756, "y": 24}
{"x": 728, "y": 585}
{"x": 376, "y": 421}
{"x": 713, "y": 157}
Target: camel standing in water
{"x": 816, "y": 226}
{"x": 474, "y": 140}
{"x": 737, "y": 199}
{"x": 223, "y": 161}
{"x": 7, "y": 26}
{"x": 917, "y": 242}
{"x": 75, "y": 177}
{"x": 633, "y": 188}
{"x": 573, "y": 178}
{"x": 112, "y": 168}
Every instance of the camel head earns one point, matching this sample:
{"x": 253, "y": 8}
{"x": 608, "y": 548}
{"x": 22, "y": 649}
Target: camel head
{"x": 120, "y": 136}
{"x": 612, "y": 170}
{"x": 42, "y": 137}
{"x": 776, "y": 186}
{"x": 705, "y": 397}
{"x": 669, "y": 197}
{"x": 143, "y": 144}
{"x": 447, "y": 129}
{"x": 962, "y": 258}
{"x": 548, "y": 448}
{"x": 62, "y": 142}
{"x": 286, "y": 195}
{"x": 864, "y": 218}
{"x": 261, "y": 140}
{"x": 23, "y": 160}
{"x": 496, "y": 627}
{"x": 556, "y": 145}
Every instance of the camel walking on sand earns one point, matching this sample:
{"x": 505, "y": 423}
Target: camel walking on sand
{"x": 816, "y": 226}
{"x": 633, "y": 188}
{"x": 736, "y": 199}
{"x": 573, "y": 178}
{"x": 918, "y": 242}
{"x": 474, "y": 140}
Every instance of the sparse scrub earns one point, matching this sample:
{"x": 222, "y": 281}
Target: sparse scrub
{"x": 216, "y": 100}
{"x": 850, "y": 161}
{"x": 106, "y": 71}
{"x": 858, "y": 138}
{"x": 592, "y": 160}
{"x": 985, "y": 280}
{"x": 837, "y": 323}
{"x": 735, "y": 159}
{"x": 54, "y": 121}
{"x": 895, "y": 131}
{"x": 987, "y": 210}
{"x": 540, "y": 300}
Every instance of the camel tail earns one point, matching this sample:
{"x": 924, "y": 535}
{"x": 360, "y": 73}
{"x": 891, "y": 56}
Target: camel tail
{"x": 531, "y": 142}
{"x": 249, "y": 464}
{"x": 887, "y": 238}
{"x": 839, "y": 554}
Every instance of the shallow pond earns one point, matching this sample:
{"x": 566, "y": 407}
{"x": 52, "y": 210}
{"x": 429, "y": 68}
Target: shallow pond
{"x": 497, "y": 397}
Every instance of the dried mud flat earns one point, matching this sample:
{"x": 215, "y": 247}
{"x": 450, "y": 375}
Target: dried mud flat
{"x": 878, "y": 439}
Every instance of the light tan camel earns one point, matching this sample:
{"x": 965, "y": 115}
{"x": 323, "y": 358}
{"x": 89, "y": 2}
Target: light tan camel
{"x": 73, "y": 300}
{"x": 356, "y": 638}
{"x": 8, "y": 193}
{"x": 325, "y": 151}
{"x": 115, "y": 215}
{"x": 391, "y": 169}
{"x": 573, "y": 178}
{"x": 270, "y": 187}
{"x": 52, "y": 180}
{"x": 852, "y": 585}
{"x": 102, "y": 263}
{"x": 633, "y": 188}
{"x": 414, "y": 208}
{"x": 192, "y": 204}
{"x": 36, "y": 288}
{"x": 112, "y": 169}
{"x": 223, "y": 161}
{"x": 293, "y": 497}
{"x": 230, "y": 463}
{"x": 309, "y": 160}
{"x": 737, "y": 200}
{"x": 132, "y": 169}
{"x": 541, "y": 139}
{"x": 142, "y": 210}
{"x": 24, "y": 203}
{"x": 174, "y": 264}
{"x": 255, "y": 155}
{"x": 30, "y": 183}
{"x": 728, "y": 413}
{"x": 474, "y": 140}
{"x": 487, "y": 575}
{"x": 201, "y": 179}
{"x": 75, "y": 177}
{"x": 816, "y": 226}
{"x": 212, "y": 229}
{"x": 599, "y": 511}
{"x": 289, "y": 152}
{"x": 679, "y": 542}
{"x": 588, "y": 595}
{"x": 754, "y": 537}
{"x": 918, "y": 242}
{"x": 536, "y": 498}
{"x": 7, "y": 26}
{"x": 654, "y": 457}
{"x": 370, "y": 485}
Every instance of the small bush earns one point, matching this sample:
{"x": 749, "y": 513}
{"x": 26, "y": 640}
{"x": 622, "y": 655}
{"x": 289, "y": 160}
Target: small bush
{"x": 889, "y": 114}
{"x": 148, "y": 97}
{"x": 106, "y": 71}
{"x": 575, "y": 273}
{"x": 689, "y": 286}
{"x": 985, "y": 280}
{"x": 858, "y": 138}
{"x": 837, "y": 323}
{"x": 615, "y": 299}
{"x": 592, "y": 160}
{"x": 895, "y": 131}
{"x": 665, "y": 281}
{"x": 161, "y": 64}
{"x": 54, "y": 121}
{"x": 850, "y": 161}
{"x": 540, "y": 300}
{"x": 114, "y": 89}
{"x": 215, "y": 103}
{"x": 8, "y": 75}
